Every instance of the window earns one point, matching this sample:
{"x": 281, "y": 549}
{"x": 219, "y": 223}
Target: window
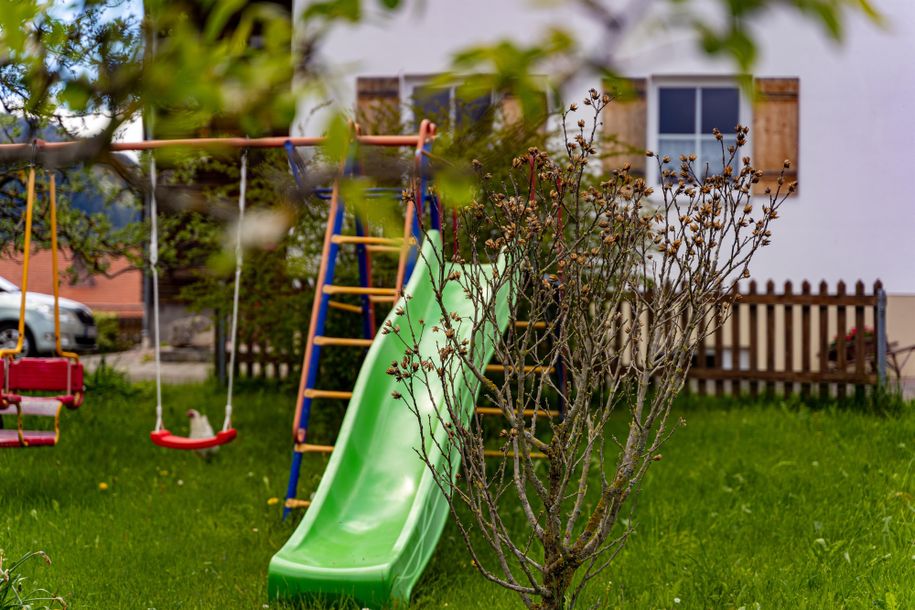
{"x": 686, "y": 116}
{"x": 675, "y": 115}
{"x": 446, "y": 104}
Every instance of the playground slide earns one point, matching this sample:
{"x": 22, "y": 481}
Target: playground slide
{"x": 377, "y": 514}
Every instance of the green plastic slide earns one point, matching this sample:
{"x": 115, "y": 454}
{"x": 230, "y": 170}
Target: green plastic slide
{"x": 377, "y": 514}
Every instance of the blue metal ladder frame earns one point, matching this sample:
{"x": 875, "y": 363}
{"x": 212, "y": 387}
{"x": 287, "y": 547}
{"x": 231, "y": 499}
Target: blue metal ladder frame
{"x": 308, "y": 392}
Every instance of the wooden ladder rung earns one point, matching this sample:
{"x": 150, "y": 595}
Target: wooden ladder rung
{"x": 382, "y": 298}
{"x": 309, "y": 448}
{"x": 527, "y": 412}
{"x": 527, "y": 323}
{"x": 296, "y": 503}
{"x": 342, "y": 341}
{"x": 528, "y": 368}
{"x": 344, "y": 306}
{"x": 331, "y": 289}
{"x": 376, "y": 248}
{"x": 536, "y": 455}
{"x": 367, "y": 240}
{"x": 335, "y": 394}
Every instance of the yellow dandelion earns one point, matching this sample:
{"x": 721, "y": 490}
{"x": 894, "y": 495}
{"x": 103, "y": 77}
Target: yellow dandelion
{"x": 273, "y": 501}
{"x": 103, "y": 486}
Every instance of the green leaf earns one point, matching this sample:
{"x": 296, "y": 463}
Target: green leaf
{"x": 457, "y": 188}
{"x": 337, "y": 140}
{"x": 345, "y": 10}
{"x": 75, "y": 95}
{"x": 219, "y": 17}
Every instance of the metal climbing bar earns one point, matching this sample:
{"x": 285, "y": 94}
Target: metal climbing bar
{"x": 406, "y": 247}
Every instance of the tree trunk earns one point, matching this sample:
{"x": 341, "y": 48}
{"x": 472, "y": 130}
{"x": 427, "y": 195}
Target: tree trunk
{"x": 556, "y": 580}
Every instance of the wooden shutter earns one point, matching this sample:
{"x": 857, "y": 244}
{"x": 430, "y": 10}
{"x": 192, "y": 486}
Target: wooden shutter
{"x": 513, "y": 113}
{"x": 625, "y": 126}
{"x": 378, "y": 104}
{"x": 775, "y": 129}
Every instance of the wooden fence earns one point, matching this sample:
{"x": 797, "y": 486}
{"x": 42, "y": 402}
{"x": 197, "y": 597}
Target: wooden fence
{"x": 808, "y": 342}
{"x": 255, "y": 359}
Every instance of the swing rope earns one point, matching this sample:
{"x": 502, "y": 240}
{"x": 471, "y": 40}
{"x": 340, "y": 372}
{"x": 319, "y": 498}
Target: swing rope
{"x": 238, "y": 267}
{"x": 154, "y": 270}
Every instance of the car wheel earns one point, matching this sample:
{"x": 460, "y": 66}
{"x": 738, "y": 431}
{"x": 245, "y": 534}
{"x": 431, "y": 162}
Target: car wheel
{"x": 9, "y": 333}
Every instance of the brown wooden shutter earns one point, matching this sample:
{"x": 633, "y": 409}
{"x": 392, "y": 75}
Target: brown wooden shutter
{"x": 625, "y": 126}
{"x": 775, "y": 129}
{"x": 378, "y": 104}
{"x": 513, "y": 113}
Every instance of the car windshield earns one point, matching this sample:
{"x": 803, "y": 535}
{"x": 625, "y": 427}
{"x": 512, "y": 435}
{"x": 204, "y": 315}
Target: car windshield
{"x": 7, "y": 286}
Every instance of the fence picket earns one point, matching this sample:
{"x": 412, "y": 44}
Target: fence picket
{"x": 770, "y": 338}
{"x": 719, "y": 348}
{"x": 860, "y": 349}
{"x": 735, "y": 340}
{"x": 805, "y": 339}
{"x": 841, "y": 349}
{"x": 824, "y": 339}
{"x": 789, "y": 336}
{"x": 754, "y": 341}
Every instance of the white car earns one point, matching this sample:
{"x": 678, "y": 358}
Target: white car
{"x": 77, "y": 326}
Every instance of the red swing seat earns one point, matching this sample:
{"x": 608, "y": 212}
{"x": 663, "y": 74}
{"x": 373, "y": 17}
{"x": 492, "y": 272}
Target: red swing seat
{"x": 30, "y": 438}
{"x": 31, "y": 406}
{"x": 164, "y": 438}
{"x": 43, "y": 375}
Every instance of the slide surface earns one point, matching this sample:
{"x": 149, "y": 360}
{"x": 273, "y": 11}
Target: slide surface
{"x": 377, "y": 514}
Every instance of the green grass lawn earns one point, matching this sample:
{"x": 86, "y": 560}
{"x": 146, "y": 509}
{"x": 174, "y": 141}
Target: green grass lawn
{"x": 756, "y": 507}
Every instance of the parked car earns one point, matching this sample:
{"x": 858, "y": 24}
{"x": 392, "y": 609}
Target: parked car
{"x": 77, "y": 326}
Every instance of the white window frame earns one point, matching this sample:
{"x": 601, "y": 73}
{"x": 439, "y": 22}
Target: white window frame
{"x": 696, "y": 82}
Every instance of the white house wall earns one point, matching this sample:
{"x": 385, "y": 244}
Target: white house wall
{"x": 854, "y": 217}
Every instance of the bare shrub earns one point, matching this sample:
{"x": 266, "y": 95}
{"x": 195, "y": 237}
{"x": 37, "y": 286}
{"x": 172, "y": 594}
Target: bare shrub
{"x": 610, "y": 287}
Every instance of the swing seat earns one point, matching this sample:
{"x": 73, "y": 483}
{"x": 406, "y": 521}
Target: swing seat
{"x": 44, "y": 375}
{"x": 166, "y": 439}
{"x": 31, "y": 438}
{"x": 31, "y": 406}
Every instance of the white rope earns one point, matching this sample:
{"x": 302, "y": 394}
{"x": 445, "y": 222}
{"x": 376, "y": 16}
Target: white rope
{"x": 238, "y": 267}
{"x": 154, "y": 269}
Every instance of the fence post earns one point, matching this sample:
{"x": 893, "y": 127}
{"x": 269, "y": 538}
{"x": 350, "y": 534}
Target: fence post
{"x": 880, "y": 331}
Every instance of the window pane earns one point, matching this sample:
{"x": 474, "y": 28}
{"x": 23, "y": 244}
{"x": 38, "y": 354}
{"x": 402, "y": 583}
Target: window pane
{"x": 677, "y": 108}
{"x": 720, "y": 108}
{"x": 433, "y": 103}
{"x": 674, "y": 148}
{"x": 469, "y": 112}
{"x": 711, "y": 155}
